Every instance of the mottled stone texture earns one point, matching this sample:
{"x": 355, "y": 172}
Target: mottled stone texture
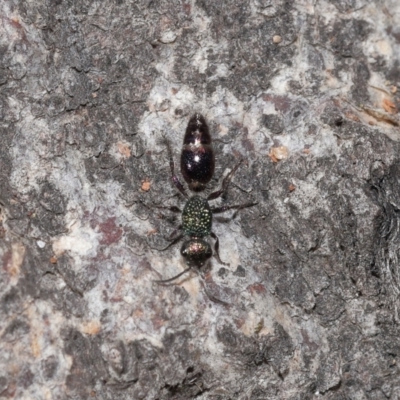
{"x": 88, "y": 89}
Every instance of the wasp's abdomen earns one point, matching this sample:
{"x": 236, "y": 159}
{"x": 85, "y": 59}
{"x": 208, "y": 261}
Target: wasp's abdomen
{"x": 197, "y": 157}
{"x": 197, "y": 165}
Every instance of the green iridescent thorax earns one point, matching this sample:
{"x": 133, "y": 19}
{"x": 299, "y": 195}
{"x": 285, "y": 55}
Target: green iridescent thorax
{"x": 197, "y": 217}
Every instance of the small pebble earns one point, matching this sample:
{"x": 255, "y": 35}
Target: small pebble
{"x": 146, "y": 184}
{"x": 168, "y": 37}
{"x": 277, "y": 39}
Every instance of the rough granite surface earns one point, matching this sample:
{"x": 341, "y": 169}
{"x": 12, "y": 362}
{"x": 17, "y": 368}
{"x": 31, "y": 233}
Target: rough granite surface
{"x": 307, "y": 92}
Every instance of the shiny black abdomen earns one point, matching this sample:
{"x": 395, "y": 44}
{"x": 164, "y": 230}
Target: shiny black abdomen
{"x": 197, "y": 157}
{"x": 197, "y": 166}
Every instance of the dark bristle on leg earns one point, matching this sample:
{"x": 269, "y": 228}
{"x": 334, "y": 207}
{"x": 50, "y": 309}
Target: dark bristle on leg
{"x": 164, "y": 281}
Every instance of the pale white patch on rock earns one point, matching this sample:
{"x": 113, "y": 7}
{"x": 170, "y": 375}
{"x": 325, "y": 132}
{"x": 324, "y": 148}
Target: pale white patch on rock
{"x": 81, "y": 240}
{"x": 41, "y": 244}
{"x": 168, "y": 36}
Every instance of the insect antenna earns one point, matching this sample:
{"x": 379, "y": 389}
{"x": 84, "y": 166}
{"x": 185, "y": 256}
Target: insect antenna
{"x": 164, "y": 281}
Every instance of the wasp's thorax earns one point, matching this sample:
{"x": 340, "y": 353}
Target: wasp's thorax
{"x": 197, "y": 157}
{"x": 197, "y": 224}
{"x": 197, "y": 218}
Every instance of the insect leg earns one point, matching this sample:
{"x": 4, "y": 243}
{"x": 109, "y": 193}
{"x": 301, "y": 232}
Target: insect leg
{"x": 209, "y": 295}
{"x": 216, "y": 248}
{"x": 174, "y": 177}
{"x": 225, "y": 183}
{"x": 237, "y": 207}
{"x": 174, "y": 239}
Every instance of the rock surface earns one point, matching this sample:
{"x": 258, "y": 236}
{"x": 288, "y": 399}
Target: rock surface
{"x": 88, "y": 89}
